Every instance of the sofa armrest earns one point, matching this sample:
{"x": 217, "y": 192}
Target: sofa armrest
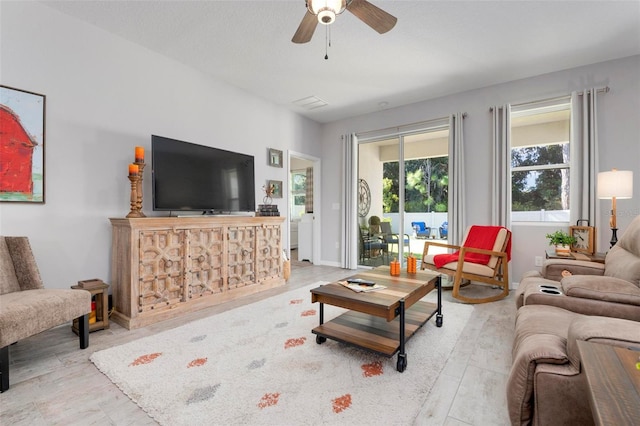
{"x": 527, "y": 354}
{"x": 607, "y": 289}
{"x": 552, "y": 268}
{"x": 610, "y": 331}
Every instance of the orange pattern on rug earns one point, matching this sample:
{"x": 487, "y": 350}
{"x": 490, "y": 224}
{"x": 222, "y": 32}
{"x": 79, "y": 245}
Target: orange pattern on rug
{"x": 268, "y": 399}
{"x": 291, "y": 343}
{"x": 372, "y": 369}
{"x": 341, "y": 403}
{"x": 145, "y": 359}
{"x": 309, "y": 313}
{"x": 197, "y": 362}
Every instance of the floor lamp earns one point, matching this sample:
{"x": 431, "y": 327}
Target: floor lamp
{"x": 616, "y": 184}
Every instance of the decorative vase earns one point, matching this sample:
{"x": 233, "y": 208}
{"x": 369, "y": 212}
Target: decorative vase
{"x": 563, "y": 250}
{"x": 394, "y": 268}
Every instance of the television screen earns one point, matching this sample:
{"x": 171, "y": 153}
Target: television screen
{"x": 191, "y": 177}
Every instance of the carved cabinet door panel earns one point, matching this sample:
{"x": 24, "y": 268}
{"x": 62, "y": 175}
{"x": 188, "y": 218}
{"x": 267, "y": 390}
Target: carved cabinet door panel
{"x": 241, "y": 243}
{"x": 161, "y": 277}
{"x": 268, "y": 256}
{"x": 204, "y": 262}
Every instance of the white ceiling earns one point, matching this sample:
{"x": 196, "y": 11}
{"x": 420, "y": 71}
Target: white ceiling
{"x": 436, "y": 48}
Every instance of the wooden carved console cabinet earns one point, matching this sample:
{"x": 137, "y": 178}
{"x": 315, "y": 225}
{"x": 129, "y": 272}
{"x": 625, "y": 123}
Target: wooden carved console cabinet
{"x": 163, "y": 267}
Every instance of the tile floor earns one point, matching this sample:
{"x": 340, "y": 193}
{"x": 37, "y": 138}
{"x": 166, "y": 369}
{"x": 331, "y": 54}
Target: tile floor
{"x": 54, "y": 383}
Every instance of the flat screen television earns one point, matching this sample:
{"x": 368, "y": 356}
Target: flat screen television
{"x": 190, "y": 177}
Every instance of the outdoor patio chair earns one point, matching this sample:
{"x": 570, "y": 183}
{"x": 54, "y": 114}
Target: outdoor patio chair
{"x": 422, "y": 230}
{"x": 390, "y": 238}
{"x": 444, "y": 230}
{"x": 372, "y": 247}
{"x": 374, "y": 225}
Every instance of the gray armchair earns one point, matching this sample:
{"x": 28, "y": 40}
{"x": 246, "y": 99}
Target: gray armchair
{"x": 611, "y": 289}
{"x": 27, "y": 308}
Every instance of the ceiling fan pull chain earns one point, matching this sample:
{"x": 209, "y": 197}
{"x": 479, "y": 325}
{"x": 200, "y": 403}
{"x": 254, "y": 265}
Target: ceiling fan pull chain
{"x": 327, "y": 42}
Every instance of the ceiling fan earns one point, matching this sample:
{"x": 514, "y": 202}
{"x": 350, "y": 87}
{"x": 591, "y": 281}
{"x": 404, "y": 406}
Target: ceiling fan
{"x": 325, "y": 12}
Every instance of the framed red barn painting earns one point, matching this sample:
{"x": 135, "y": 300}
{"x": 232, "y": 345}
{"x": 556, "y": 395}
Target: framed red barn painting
{"x": 22, "y": 124}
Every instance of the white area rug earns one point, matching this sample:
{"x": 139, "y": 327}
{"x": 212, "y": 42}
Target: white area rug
{"x": 260, "y": 364}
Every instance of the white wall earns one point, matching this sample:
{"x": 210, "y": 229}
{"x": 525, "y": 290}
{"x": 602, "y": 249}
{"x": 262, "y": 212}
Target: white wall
{"x": 618, "y": 129}
{"x": 104, "y": 96}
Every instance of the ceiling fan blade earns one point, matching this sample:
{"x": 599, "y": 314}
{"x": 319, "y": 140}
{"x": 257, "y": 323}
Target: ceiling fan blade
{"x": 305, "y": 30}
{"x": 372, "y": 15}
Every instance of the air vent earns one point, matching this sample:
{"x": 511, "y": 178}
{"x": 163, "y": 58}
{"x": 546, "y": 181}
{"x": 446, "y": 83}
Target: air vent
{"x": 310, "y": 102}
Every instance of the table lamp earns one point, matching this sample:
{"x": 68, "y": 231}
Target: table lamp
{"x": 615, "y": 184}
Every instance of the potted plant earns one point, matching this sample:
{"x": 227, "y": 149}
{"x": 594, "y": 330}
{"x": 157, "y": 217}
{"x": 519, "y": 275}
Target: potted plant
{"x": 562, "y": 241}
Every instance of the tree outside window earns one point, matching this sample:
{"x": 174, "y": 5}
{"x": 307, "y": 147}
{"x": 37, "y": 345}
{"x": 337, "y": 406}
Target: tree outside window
{"x": 540, "y": 158}
{"x": 426, "y": 188}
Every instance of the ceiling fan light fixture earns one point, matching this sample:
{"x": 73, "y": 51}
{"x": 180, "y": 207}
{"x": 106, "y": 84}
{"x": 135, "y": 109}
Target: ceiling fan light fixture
{"x": 326, "y": 16}
{"x": 326, "y": 10}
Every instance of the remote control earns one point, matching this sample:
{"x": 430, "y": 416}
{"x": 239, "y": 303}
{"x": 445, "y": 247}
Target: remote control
{"x": 360, "y": 281}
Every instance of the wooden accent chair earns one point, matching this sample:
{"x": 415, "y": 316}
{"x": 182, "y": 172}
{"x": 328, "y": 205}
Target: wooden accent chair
{"x": 485, "y": 255}
{"x": 27, "y": 308}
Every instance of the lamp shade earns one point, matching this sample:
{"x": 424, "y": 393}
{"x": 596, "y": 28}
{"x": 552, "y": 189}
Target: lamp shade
{"x": 615, "y": 183}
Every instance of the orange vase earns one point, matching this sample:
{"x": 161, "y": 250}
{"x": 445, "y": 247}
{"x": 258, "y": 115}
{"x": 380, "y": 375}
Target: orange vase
{"x": 411, "y": 264}
{"x": 394, "y": 268}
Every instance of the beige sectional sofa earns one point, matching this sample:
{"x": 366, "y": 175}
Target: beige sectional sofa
{"x": 598, "y": 303}
{"x": 611, "y": 289}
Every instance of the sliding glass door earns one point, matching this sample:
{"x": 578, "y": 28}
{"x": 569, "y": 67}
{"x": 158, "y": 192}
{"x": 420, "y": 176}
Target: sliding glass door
{"x": 406, "y": 175}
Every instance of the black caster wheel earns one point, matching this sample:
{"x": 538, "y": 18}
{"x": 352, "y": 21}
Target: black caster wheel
{"x": 438, "y": 320}
{"x": 402, "y": 363}
{"x": 320, "y": 340}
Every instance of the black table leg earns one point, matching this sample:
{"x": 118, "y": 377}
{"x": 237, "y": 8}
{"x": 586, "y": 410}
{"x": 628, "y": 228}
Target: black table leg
{"x": 402, "y": 355}
{"x": 319, "y": 339}
{"x": 439, "y": 314}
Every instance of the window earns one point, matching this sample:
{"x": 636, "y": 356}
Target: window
{"x": 298, "y": 192}
{"x": 540, "y": 157}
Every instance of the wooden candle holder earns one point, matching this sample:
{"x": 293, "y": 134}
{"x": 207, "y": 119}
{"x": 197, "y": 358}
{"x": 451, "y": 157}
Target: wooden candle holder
{"x": 140, "y": 165}
{"x": 135, "y": 209}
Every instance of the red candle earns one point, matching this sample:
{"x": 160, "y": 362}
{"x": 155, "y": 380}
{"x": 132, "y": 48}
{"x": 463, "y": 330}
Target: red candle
{"x": 139, "y": 154}
{"x": 133, "y": 169}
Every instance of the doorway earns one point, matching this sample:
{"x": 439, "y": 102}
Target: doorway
{"x": 303, "y": 202}
{"x": 406, "y": 176}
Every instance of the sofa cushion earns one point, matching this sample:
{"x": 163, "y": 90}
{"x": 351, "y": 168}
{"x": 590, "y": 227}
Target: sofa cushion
{"x": 8, "y": 279}
{"x": 623, "y": 264}
{"x": 467, "y": 267}
{"x": 623, "y": 260}
{"x": 28, "y": 312}
{"x": 24, "y": 263}
{"x": 607, "y": 289}
{"x": 611, "y": 331}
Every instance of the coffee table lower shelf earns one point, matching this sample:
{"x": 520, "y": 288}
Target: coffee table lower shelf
{"x": 375, "y": 334}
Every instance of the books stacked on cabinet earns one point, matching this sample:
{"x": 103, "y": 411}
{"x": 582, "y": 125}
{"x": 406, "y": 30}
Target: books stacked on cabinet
{"x": 268, "y": 210}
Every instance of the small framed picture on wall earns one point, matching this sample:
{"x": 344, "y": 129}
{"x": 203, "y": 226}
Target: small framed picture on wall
{"x": 275, "y": 157}
{"x": 277, "y": 188}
